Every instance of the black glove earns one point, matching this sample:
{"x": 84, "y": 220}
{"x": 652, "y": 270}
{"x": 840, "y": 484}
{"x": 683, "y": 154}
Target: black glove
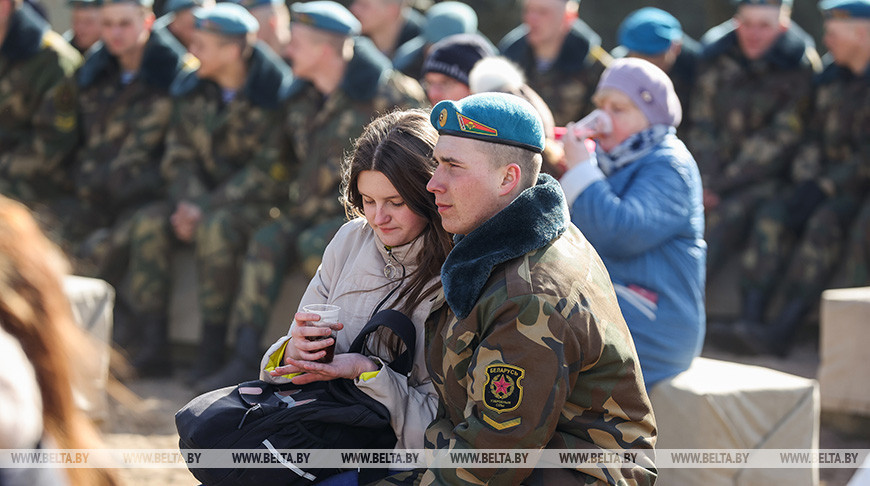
{"x": 803, "y": 201}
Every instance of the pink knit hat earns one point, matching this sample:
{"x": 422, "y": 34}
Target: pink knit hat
{"x": 647, "y": 86}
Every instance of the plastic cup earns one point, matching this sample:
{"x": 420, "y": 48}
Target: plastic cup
{"x": 328, "y": 315}
{"x": 594, "y": 124}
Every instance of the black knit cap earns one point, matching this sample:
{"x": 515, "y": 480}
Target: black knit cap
{"x": 454, "y": 56}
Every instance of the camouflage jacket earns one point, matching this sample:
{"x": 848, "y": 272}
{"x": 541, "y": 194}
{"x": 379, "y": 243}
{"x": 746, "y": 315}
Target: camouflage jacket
{"x": 37, "y": 102}
{"x": 748, "y": 116}
{"x": 318, "y": 132}
{"x": 837, "y": 149}
{"x": 567, "y": 86}
{"x": 211, "y": 145}
{"x": 531, "y": 350}
{"x": 124, "y": 126}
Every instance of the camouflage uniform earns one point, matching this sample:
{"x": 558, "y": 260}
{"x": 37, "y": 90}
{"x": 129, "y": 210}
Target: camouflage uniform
{"x": 208, "y": 162}
{"x": 531, "y": 352}
{"x": 858, "y": 259}
{"x": 318, "y": 132}
{"x": 117, "y": 168}
{"x": 37, "y": 100}
{"x": 831, "y": 173}
{"x": 568, "y": 84}
{"x": 747, "y": 118}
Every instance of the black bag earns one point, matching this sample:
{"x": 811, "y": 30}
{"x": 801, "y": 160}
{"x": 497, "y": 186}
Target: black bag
{"x": 339, "y": 417}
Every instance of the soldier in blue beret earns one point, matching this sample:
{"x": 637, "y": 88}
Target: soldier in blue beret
{"x": 179, "y": 20}
{"x": 560, "y": 55}
{"x": 85, "y": 19}
{"x": 443, "y": 20}
{"x": 219, "y": 191}
{"x": 748, "y": 112}
{"x": 656, "y": 36}
{"x": 341, "y": 83}
{"x": 274, "y": 19}
{"x": 388, "y": 23}
{"x": 803, "y": 233}
{"x": 125, "y": 111}
{"x": 528, "y": 297}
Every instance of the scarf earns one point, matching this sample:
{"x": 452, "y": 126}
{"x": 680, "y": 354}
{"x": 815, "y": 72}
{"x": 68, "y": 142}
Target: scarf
{"x": 632, "y": 148}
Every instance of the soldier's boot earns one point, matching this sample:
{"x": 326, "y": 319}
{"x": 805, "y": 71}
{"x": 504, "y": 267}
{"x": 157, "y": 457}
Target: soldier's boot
{"x": 210, "y": 354}
{"x": 754, "y": 303}
{"x": 733, "y": 336}
{"x": 154, "y": 358}
{"x": 242, "y": 366}
{"x": 779, "y": 337}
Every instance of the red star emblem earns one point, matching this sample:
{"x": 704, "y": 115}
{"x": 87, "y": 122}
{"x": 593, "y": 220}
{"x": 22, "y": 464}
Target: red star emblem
{"x": 502, "y": 385}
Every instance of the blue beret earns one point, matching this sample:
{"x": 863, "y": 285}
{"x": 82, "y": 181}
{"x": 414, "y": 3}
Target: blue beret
{"x": 491, "y": 117}
{"x": 178, "y": 5}
{"x": 226, "y": 19}
{"x": 250, "y": 4}
{"x": 325, "y": 15}
{"x": 649, "y": 31}
{"x": 845, "y": 9}
{"x": 143, "y": 3}
{"x": 773, "y": 3}
{"x": 448, "y": 18}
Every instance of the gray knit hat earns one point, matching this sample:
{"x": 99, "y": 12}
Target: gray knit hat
{"x": 647, "y": 86}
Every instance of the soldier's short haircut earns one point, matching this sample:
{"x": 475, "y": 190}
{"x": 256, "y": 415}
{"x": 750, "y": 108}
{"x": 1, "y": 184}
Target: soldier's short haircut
{"x": 341, "y": 44}
{"x": 245, "y": 42}
{"x": 530, "y": 162}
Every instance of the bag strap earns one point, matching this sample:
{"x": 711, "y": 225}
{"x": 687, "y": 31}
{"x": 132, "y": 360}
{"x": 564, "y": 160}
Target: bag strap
{"x": 402, "y": 326}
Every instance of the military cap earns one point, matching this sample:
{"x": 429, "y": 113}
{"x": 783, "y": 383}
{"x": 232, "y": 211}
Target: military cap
{"x": 492, "y": 117}
{"x": 226, "y": 19}
{"x": 325, "y": 15}
{"x": 845, "y": 9}
{"x": 173, "y": 6}
{"x": 649, "y": 31}
{"x": 84, "y": 3}
{"x": 251, "y": 4}
{"x": 144, "y": 3}
{"x": 448, "y": 18}
{"x": 773, "y": 3}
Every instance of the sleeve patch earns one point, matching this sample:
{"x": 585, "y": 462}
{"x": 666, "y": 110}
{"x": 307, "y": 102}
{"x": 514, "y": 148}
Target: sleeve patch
{"x": 502, "y": 425}
{"x": 503, "y": 392}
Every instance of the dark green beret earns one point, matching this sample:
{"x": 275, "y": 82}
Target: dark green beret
{"x": 325, "y": 15}
{"x": 492, "y": 117}
{"x": 845, "y": 9}
{"x": 226, "y": 19}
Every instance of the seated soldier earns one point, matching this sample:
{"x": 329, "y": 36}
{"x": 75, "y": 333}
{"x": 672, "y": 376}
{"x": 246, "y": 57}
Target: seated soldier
{"x": 560, "y": 55}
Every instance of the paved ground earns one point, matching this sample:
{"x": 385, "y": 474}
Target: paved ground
{"x": 142, "y": 416}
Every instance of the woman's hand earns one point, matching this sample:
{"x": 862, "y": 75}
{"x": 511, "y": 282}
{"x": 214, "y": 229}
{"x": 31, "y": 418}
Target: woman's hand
{"x": 300, "y": 347}
{"x": 344, "y": 365}
{"x": 576, "y": 151}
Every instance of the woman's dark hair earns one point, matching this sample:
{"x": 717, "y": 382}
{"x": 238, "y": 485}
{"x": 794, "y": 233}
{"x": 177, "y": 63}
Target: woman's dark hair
{"x": 399, "y": 145}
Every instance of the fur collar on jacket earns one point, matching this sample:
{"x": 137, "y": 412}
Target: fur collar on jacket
{"x": 163, "y": 59}
{"x": 366, "y": 72}
{"x": 24, "y": 37}
{"x": 789, "y": 51}
{"x": 537, "y": 216}
{"x": 573, "y": 56}
{"x": 267, "y": 83}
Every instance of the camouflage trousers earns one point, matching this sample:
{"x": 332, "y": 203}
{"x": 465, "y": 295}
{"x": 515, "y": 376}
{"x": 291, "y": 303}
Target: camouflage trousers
{"x": 858, "y": 257}
{"x": 273, "y": 250}
{"x": 220, "y": 243}
{"x": 799, "y": 260}
{"x": 728, "y": 224}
